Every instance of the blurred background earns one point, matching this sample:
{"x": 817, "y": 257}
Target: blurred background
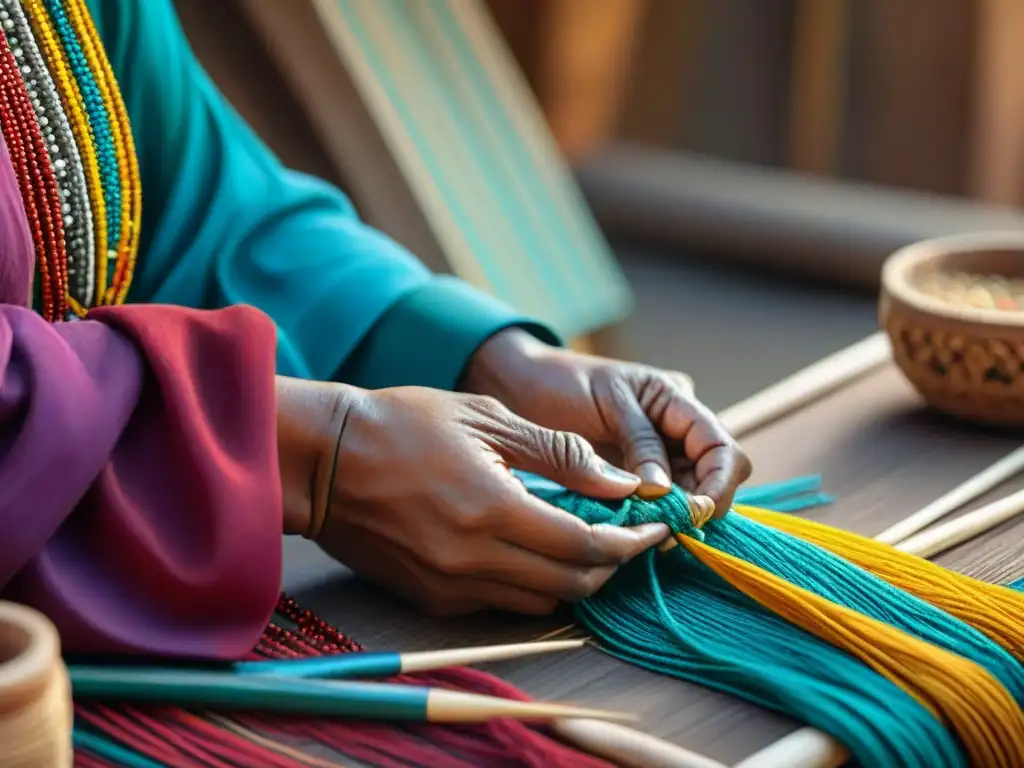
{"x": 707, "y": 185}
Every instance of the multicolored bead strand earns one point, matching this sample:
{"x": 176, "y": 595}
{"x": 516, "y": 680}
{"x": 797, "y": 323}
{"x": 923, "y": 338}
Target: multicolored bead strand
{"x": 100, "y": 126}
{"x": 36, "y": 177}
{"x": 128, "y": 162}
{"x": 60, "y": 140}
{"x": 71, "y": 98}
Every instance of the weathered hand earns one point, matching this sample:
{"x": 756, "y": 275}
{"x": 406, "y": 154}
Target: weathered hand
{"x": 652, "y": 417}
{"x": 423, "y": 503}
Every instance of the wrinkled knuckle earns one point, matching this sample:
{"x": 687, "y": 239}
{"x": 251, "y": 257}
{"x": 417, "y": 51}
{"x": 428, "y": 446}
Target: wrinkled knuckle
{"x": 455, "y": 562}
{"x": 684, "y": 381}
{"x": 488, "y": 405}
{"x": 473, "y": 520}
{"x": 744, "y": 466}
{"x": 591, "y": 550}
{"x": 645, "y": 446}
{"x": 585, "y": 583}
{"x": 567, "y": 451}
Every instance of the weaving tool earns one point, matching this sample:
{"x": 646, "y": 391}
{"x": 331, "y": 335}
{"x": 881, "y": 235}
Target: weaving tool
{"x": 967, "y": 491}
{"x": 386, "y": 664}
{"x": 307, "y": 696}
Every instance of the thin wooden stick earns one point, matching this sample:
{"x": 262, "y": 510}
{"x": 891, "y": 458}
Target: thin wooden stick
{"x": 628, "y": 747}
{"x": 937, "y": 540}
{"x": 807, "y": 385}
{"x": 968, "y": 491}
{"x": 805, "y": 747}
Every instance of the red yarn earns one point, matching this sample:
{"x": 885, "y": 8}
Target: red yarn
{"x": 180, "y": 739}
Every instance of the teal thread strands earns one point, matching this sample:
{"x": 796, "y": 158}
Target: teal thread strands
{"x": 683, "y": 621}
{"x": 99, "y": 124}
{"x": 796, "y": 495}
{"x": 195, "y": 688}
{"x": 674, "y": 616}
{"x": 835, "y": 579}
{"x": 102, "y": 747}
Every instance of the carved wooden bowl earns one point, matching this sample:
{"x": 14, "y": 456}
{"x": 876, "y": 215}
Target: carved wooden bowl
{"x": 953, "y": 308}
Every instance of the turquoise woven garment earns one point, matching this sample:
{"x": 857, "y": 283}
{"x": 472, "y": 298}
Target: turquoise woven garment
{"x": 670, "y": 614}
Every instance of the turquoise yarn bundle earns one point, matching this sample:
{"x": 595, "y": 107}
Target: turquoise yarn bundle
{"x": 700, "y": 629}
{"x": 833, "y": 578}
{"x": 670, "y": 613}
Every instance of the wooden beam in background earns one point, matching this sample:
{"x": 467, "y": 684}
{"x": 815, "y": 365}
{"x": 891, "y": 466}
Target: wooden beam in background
{"x": 996, "y": 152}
{"x": 910, "y": 93}
{"x": 659, "y": 93}
{"x": 818, "y": 94}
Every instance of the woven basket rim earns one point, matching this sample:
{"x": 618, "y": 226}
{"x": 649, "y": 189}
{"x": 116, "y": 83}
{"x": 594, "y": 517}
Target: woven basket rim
{"x": 897, "y": 267}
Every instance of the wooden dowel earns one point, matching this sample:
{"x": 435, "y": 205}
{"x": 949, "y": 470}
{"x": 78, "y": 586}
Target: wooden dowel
{"x": 805, "y": 747}
{"x": 937, "y": 540}
{"x": 627, "y": 747}
{"x": 807, "y": 385}
{"x": 984, "y": 481}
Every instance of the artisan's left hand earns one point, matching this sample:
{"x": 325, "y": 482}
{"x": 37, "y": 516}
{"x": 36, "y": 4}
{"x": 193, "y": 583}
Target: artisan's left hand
{"x": 651, "y": 416}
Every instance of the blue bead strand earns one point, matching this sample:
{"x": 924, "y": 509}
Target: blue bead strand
{"x": 98, "y": 117}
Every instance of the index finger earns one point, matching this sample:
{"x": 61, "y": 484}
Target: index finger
{"x": 537, "y": 526}
{"x": 719, "y": 466}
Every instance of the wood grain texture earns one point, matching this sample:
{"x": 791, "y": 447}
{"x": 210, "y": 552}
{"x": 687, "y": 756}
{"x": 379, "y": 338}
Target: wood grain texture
{"x": 880, "y": 453}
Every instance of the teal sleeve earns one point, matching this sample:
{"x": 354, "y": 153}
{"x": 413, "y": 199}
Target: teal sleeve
{"x": 437, "y": 327}
{"x": 225, "y": 223}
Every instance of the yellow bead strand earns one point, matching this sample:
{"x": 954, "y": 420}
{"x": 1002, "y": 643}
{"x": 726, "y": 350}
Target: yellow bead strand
{"x": 128, "y": 167}
{"x": 71, "y": 96}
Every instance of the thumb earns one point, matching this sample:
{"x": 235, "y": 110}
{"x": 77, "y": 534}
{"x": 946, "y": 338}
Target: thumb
{"x": 643, "y": 449}
{"x": 564, "y": 457}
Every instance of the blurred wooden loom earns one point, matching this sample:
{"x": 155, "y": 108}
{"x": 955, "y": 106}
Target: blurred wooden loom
{"x": 419, "y": 112}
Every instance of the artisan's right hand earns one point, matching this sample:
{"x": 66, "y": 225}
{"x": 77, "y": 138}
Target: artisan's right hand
{"x": 423, "y": 504}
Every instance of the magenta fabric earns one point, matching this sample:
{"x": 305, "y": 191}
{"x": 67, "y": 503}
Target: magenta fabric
{"x": 140, "y": 501}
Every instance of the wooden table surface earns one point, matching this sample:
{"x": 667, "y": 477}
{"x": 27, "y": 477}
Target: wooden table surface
{"x": 880, "y": 453}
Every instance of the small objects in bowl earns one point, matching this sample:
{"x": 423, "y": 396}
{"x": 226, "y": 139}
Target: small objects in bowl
{"x": 953, "y": 309}
{"x": 975, "y": 290}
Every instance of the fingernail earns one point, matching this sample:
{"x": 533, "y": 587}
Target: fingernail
{"x": 668, "y": 545}
{"x": 702, "y": 509}
{"x": 654, "y": 481}
{"x": 618, "y": 475}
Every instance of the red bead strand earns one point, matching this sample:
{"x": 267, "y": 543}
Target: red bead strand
{"x": 38, "y": 183}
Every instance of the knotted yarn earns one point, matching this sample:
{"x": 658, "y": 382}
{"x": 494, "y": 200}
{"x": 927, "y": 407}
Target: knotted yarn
{"x": 776, "y": 619}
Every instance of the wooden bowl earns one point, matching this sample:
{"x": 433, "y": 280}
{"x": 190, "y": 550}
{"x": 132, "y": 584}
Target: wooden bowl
{"x": 966, "y": 360}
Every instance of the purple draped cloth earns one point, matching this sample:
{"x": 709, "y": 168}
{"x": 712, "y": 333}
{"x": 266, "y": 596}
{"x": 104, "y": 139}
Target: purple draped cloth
{"x": 140, "y": 499}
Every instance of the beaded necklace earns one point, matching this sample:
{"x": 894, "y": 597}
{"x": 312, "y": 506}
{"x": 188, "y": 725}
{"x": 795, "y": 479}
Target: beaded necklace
{"x": 127, "y": 160}
{"x": 84, "y": 81}
{"x": 71, "y": 182}
{"x": 98, "y": 121}
{"x": 36, "y": 178}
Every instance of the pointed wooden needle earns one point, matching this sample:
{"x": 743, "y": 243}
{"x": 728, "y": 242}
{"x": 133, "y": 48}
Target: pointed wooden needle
{"x": 338, "y": 698}
{"x": 384, "y": 664}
